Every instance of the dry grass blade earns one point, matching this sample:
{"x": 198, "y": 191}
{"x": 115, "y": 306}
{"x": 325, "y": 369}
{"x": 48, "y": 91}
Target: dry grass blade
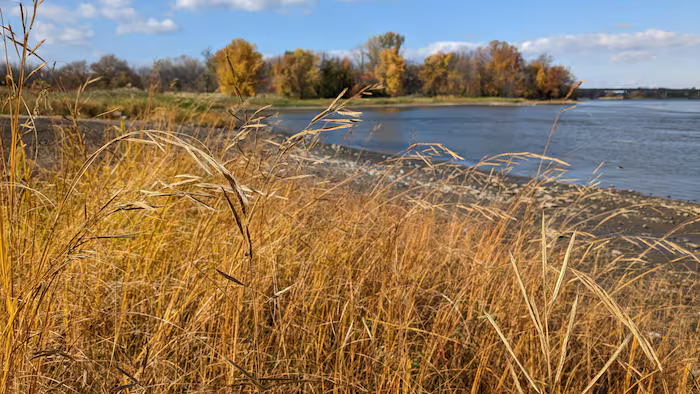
{"x": 607, "y": 364}
{"x": 543, "y": 247}
{"x": 515, "y": 377}
{"x": 286, "y": 289}
{"x": 108, "y": 256}
{"x": 133, "y": 380}
{"x": 565, "y": 342}
{"x": 248, "y": 375}
{"x": 230, "y": 278}
{"x": 564, "y": 265}
{"x": 512, "y": 353}
{"x": 245, "y": 233}
{"x": 617, "y": 311}
{"x": 534, "y": 316}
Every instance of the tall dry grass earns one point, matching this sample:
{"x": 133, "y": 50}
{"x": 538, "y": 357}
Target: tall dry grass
{"x": 164, "y": 263}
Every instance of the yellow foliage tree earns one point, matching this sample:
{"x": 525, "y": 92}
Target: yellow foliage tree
{"x": 436, "y": 73}
{"x": 296, "y": 74}
{"x": 238, "y": 68}
{"x": 390, "y": 71}
{"x": 373, "y": 48}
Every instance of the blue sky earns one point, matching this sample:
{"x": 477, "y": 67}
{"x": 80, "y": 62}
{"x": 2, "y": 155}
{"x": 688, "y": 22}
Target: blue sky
{"x": 607, "y": 43}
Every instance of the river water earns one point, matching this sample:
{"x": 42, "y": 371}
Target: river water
{"x": 650, "y": 146}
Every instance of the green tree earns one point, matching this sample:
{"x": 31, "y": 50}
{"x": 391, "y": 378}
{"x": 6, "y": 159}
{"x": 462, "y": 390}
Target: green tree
{"x": 336, "y": 75}
{"x": 412, "y": 80}
{"x": 237, "y": 68}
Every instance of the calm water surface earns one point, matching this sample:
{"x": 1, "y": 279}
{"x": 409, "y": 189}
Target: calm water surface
{"x": 651, "y": 146}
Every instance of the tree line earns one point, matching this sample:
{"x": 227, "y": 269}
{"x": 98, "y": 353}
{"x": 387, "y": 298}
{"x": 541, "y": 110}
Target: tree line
{"x": 495, "y": 70}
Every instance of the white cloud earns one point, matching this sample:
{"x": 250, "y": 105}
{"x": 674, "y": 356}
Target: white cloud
{"x": 60, "y": 25}
{"x": 58, "y": 14}
{"x": 632, "y": 57}
{"x": 637, "y": 46}
{"x": 115, "y": 3}
{"x": 87, "y": 10}
{"x": 130, "y": 22}
{"x": 245, "y": 5}
{"x": 119, "y": 14}
{"x": 151, "y": 26}
{"x": 617, "y": 47}
{"x": 440, "y": 46}
{"x": 340, "y": 53}
{"x": 54, "y": 34}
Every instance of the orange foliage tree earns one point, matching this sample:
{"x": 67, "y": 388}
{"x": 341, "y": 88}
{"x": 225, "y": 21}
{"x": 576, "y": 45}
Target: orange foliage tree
{"x": 505, "y": 68}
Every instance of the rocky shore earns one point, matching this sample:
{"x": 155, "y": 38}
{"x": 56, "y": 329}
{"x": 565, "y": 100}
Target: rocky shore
{"x": 630, "y": 220}
{"x": 668, "y": 230}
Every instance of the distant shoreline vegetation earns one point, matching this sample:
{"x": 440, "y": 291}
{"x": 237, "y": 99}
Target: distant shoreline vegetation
{"x": 638, "y": 93}
{"x": 496, "y": 70}
{"x": 209, "y": 108}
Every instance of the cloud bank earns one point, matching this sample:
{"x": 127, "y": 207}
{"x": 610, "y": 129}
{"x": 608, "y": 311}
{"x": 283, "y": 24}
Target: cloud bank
{"x": 129, "y": 21}
{"x": 244, "y": 5}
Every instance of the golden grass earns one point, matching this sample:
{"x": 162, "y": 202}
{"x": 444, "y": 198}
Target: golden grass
{"x": 162, "y": 263}
{"x": 146, "y": 267}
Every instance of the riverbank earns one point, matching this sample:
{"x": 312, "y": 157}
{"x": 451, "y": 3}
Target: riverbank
{"x": 624, "y": 218}
{"x": 209, "y": 108}
{"x": 284, "y": 104}
{"x": 326, "y": 269}
{"x": 664, "y": 230}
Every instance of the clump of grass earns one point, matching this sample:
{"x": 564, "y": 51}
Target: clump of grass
{"x": 161, "y": 262}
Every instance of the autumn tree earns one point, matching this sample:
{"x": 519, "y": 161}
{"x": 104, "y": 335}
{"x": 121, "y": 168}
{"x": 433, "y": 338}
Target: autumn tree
{"x": 505, "y": 69}
{"x": 335, "y": 75}
{"x": 237, "y": 68}
{"x": 296, "y": 74}
{"x": 390, "y": 71}
{"x": 386, "y": 62}
{"x": 436, "y": 74}
{"x": 465, "y": 74}
{"x": 542, "y": 80}
{"x": 371, "y": 53}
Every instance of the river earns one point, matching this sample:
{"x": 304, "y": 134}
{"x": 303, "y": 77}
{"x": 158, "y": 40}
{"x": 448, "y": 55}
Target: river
{"x": 650, "y": 146}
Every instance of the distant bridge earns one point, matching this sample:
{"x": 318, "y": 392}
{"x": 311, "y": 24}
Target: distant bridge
{"x": 626, "y": 93}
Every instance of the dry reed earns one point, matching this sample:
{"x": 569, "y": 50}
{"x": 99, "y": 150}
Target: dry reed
{"x": 165, "y": 263}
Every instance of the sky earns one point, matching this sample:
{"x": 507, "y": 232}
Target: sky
{"x": 606, "y": 43}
